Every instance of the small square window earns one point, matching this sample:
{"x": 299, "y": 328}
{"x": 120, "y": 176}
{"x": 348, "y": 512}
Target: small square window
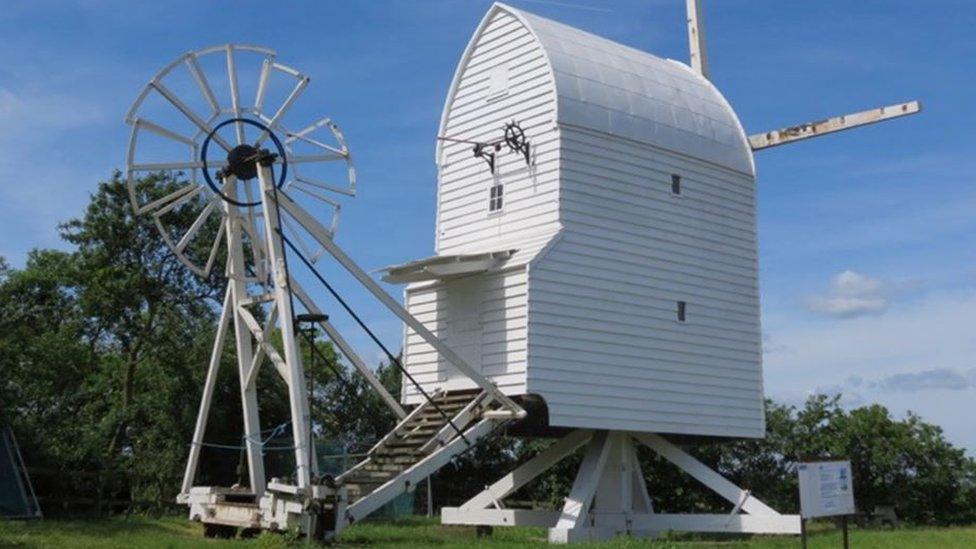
{"x": 675, "y": 184}
{"x": 495, "y": 198}
{"x": 682, "y": 306}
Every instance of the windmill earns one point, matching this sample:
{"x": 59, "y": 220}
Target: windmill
{"x": 255, "y": 187}
{"x": 607, "y": 279}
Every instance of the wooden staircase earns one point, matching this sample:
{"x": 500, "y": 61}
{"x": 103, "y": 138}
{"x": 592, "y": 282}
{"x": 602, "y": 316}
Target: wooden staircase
{"x": 425, "y": 440}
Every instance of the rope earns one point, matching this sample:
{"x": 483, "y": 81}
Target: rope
{"x": 276, "y": 431}
{"x": 236, "y": 448}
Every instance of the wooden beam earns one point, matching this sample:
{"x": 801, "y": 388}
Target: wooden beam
{"x": 792, "y": 134}
{"x": 499, "y": 517}
{"x": 696, "y": 38}
{"x": 528, "y": 471}
{"x": 705, "y": 475}
{"x": 577, "y": 504}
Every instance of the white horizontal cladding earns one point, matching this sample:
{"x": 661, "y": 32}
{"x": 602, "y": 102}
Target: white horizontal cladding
{"x": 606, "y": 347}
{"x": 502, "y": 49}
{"x": 628, "y": 281}
{"x": 580, "y": 275}
{"x": 634, "y": 402}
{"x": 629, "y": 155}
{"x": 671, "y": 391}
{"x": 597, "y": 332}
{"x": 597, "y": 354}
{"x": 564, "y": 412}
{"x": 482, "y": 317}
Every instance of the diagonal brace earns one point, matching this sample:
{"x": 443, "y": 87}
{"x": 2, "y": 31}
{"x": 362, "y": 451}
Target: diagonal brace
{"x": 258, "y": 333}
{"x": 704, "y": 474}
{"x": 529, "y": 470}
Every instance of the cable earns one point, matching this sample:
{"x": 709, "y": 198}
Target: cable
{"x": 348, "y": 384}
{"x": 233, "y": 447}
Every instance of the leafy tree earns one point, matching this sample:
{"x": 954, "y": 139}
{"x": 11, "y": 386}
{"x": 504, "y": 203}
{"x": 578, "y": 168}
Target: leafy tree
{"x": 99, "y": 349}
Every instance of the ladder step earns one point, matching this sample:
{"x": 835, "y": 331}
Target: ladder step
{"x": 424, "y": 434}
{"x": 396, "y": 451}
{"x": 398, "y": 455}
{"x": 363, "y": 487}
{"x": 435, "y": 417}
{"x": 369, "y": 479}
{"x": 389, "y": 468}
{"x": 403, "y": 443}
{"x": 448, "y": 411}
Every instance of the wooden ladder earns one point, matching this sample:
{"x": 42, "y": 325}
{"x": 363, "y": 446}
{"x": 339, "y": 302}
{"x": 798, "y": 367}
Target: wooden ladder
{"x": 428, "y": 438}
{"x": 408, "y": 442}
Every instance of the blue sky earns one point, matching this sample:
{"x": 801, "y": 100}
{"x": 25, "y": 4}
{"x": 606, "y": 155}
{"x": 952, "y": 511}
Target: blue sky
{"x": 867, "y": 238}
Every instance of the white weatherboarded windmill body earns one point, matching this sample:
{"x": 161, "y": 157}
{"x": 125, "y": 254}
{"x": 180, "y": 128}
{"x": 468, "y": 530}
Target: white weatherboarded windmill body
{"x": 596, "y": 258}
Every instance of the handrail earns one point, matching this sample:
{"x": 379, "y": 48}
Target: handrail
{"x": 465, "y": 414}
{"x": 386, "y": 438}
{"x": 410, "y": 417}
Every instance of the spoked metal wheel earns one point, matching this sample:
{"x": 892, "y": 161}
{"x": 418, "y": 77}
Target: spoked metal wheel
{"x": 204, "y": 113}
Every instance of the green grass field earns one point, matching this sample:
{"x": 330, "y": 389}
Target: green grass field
{"x": 178, "y": 533}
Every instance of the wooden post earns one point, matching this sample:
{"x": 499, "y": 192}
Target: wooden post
{"x": 843, "y": 522}
{"x": 803, "y": 533}
{"x": 696, "y": 38}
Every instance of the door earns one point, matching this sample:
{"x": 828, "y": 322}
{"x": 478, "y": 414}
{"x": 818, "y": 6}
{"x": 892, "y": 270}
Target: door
{"x": 464, "y": 298}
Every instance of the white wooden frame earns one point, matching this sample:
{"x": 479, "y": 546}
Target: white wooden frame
{"x": 609, "y": 496}
{"x": 253, "y": 346}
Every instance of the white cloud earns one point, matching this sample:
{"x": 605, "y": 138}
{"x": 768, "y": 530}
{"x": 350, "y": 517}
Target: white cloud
{"x": 851, "y": 294}
{"x": 917, "y": 356}
{"x": 938, "y": 378}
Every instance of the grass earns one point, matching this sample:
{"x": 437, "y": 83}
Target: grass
{"x": 175, "y": 532}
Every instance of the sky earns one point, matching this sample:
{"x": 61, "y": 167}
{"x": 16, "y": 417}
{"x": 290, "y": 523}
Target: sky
{"x": 867, "y": 237}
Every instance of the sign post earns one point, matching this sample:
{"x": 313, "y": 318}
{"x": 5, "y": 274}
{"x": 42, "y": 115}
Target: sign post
{"x": 826, "y": 489}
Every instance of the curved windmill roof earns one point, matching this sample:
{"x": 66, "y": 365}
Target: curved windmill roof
{"x": 611, "y": 88}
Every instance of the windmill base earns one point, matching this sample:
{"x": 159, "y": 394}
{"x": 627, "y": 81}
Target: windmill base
{"x": 609, "y": 496}
{"x": 283, "y": 507}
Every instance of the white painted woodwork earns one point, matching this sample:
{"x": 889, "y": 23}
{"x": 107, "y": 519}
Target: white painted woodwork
{"x": 696, "y": 38}
{"x": 584, "y": 312}
{"x": 609, "y": 495}
{"x": 808, "y": 130}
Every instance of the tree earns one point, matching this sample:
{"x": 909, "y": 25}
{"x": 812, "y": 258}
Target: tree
{"x": 101, "y": 346}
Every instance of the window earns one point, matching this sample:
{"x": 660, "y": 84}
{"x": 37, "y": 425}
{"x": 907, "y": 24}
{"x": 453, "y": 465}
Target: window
{"x": 495, "y": 198}
{"x": 675, "y": 184}
{"x": 681, "y": 310}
